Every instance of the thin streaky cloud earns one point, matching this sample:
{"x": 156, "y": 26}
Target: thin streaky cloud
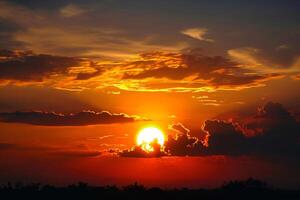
{"x": 197, "y": 33}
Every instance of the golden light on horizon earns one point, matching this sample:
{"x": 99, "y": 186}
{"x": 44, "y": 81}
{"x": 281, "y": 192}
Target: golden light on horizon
{"x": 147, "y": 136}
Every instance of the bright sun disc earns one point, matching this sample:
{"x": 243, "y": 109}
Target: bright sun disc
{"x": 147, "y": 135}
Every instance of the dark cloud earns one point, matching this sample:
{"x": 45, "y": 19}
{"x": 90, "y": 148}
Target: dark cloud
{"x": 183, "y": 143}
{"x": 211, "y": 70}
{"x": 274, "y": 111}
{"x": 186, "y": 65}
{"x": 85, "y": 76}
{"x": 5, "y": 146}
{"x": 27, "y": 66}
{"x": 224, "y": 138}
{"x": 137, "y": 151}
{"x": 78, "y": 119}
{"x": 274, "y": 133}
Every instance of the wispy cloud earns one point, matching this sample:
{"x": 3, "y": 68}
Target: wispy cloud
{"x": 72, "y": 10}
{"x": 65, "y": 32}
{"x": 197, "y": 33}
{"x": 267, "y": 61}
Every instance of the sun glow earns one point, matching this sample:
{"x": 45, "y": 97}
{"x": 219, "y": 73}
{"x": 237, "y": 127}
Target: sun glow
{"x": 147, "y": 136}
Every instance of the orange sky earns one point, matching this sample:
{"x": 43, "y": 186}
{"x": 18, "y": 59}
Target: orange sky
{"x": 79, "y": 80}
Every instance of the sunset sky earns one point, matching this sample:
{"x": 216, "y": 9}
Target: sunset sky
{"x": 217, "y": 82}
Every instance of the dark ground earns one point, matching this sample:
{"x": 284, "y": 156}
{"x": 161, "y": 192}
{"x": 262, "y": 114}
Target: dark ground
{"x": 249, "y": 189}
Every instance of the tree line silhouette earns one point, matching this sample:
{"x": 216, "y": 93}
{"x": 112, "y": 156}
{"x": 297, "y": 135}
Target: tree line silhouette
{"x": 247, "y": 189}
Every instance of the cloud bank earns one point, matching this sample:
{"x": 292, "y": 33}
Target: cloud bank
{"x": 187, "y": 71}
{"x": 28, "y": 66}
{"x": 194, "y": 71}
{"x": 272, "y": 132}
{"x": 78, "y": 119}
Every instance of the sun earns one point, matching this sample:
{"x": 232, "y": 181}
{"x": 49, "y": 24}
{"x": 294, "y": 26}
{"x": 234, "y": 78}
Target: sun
{"x": 147, "y": 136}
